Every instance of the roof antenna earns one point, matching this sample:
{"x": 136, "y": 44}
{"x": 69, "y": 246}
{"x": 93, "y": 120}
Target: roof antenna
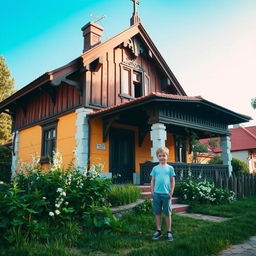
{"x": 97, "y": 19}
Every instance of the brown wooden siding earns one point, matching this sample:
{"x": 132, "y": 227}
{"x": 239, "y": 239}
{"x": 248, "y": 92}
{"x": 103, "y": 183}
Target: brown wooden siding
{"x": 103, "y": 87}
{"x": 40, "y": 106}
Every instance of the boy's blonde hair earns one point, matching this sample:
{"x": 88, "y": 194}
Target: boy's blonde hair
{"x": 164, "y": 150}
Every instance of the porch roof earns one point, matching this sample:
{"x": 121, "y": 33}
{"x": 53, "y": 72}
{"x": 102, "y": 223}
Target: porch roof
{"x": 228, "y": 116}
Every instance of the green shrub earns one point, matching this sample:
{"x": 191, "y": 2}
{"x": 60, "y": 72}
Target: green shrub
{"x": 123, "y": 194}
{"x": 5, "y": 163}
{"x": 238, "y": 165}
{"x": 203, "y": 192}
{"x": 144, "y": 208}
{"x": 37, "y": 200}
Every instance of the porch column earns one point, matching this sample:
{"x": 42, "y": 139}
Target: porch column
{"x": 82, "y": 138}
{"x": 158, "y": 137}
{"x": 15, "y": 153}
{"x": 226, "y": 154}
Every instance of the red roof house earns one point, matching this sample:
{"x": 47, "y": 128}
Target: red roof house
{"x": 243, "y": 145}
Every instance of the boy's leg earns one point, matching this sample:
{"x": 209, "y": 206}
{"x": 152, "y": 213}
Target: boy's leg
{"x": 167, "y": 210}
{"x": 158, "y": 222}
{"x": 168, "y": 220}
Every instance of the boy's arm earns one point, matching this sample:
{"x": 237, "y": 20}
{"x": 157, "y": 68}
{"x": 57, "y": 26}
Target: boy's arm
{"x": 152, "y": 184}
{"x": 172, "y": 185}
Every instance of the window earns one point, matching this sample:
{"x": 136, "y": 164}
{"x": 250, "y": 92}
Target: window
{"x": 134, "y": 83}
{"x": 137, "y": 84}
{"x": 126, "y": 80}
{"x": 180, "y": 149}
{"x": 48, "y": 142}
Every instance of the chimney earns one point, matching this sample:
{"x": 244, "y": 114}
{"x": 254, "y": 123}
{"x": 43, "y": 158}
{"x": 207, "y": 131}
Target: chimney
{"x": 92, "y": 34}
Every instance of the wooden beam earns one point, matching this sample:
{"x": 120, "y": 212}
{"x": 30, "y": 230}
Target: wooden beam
{"x": 107, "y": 125}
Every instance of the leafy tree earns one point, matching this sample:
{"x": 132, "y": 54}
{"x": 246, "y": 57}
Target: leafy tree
{"x": 253, "y": 102}
{"x": 6, "y": 89}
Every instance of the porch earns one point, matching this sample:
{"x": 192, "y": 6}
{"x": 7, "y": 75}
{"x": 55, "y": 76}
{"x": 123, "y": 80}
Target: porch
{"x": 158, "y": 120}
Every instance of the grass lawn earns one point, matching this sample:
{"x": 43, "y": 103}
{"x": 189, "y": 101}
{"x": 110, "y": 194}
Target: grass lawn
{"x": 192, "y": 237}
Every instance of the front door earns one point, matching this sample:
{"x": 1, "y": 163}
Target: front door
{"x": 121, "y": 155}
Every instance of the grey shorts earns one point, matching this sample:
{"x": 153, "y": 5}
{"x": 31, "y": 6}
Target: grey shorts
{"x": 162, "y": 203}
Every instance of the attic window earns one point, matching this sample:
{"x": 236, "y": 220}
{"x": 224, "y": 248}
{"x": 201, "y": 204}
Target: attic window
{"x": 134, "y": 83}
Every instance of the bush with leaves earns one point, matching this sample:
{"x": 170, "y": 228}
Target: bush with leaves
{"x": 237, "y": 165}
{"x": 37, "y": 200}
{"x": 203, "y": 192}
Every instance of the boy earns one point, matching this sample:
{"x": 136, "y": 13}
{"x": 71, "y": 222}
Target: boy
{"x": 162, "y": 187}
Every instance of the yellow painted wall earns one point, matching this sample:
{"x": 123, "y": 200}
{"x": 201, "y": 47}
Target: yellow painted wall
{"x": 66, "y": 141}
{"x": 170, "y": 145}
{"x": 97, "y": 155}
{"x": 142, "y": 154}
{"x": 29, "y": 143}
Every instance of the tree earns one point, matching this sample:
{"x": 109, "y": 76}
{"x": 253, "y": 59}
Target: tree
{"x": 6, "y": 89}
{"x": 253, "y": 102}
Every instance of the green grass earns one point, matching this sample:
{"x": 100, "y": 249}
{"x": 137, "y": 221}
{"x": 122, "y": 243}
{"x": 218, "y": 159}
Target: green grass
{"x": 192, "y": 237}
{"x": 123, "y": 194}
{"x": 234, "y": 209}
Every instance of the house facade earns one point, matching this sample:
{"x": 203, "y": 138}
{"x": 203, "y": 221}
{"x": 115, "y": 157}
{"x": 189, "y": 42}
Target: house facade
{"x": 243, "y": 145}
{"x": 115, "y": 104}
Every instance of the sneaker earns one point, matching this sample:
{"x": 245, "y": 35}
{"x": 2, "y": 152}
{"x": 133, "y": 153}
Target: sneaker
{"x": 157, "y": 235}
{"x": 169, "y": 236}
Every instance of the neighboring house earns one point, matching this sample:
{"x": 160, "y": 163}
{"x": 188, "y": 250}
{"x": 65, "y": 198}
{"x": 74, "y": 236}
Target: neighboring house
{"x": 115, "y": 104}
{"x": 243, "y": 145}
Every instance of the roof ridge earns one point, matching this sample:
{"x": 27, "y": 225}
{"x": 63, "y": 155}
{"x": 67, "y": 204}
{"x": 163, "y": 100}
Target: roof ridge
{"x": 249, "y": 132}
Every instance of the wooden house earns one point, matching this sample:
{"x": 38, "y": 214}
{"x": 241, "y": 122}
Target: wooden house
{"x": 243, "y": 145}
{"x": 115, "y": 104}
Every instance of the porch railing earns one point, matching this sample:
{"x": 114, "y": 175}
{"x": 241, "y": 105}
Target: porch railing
{"x": 184, "y": 170}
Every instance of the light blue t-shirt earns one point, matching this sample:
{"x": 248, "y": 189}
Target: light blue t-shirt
{"x": 162, "y": 175}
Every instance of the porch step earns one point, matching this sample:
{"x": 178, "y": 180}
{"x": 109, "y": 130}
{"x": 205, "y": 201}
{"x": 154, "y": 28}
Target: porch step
{"x": 145, "y": 192}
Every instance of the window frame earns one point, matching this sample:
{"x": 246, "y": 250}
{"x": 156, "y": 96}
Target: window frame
{"x": 45, "y": 156}
{"x": 132, "y": 83}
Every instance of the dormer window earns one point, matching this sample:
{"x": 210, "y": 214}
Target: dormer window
{"x": 134, "y": 83}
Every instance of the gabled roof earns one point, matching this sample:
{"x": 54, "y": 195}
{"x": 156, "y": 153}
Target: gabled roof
{"x": 242, "y": 138}
{"x": 91, "y": 55}
{"x": 136, "y": 29}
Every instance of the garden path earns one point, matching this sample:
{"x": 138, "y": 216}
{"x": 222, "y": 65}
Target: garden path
{"x": 247, "y": 248}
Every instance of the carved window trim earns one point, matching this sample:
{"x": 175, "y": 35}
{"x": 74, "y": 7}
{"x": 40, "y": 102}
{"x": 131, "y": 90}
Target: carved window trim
{"x": 130, "y": 91}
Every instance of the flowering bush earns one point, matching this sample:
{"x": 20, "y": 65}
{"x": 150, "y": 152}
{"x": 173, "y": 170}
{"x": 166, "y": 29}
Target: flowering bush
{"x": 36, "y": 199}
{"x": 203, "y": 192}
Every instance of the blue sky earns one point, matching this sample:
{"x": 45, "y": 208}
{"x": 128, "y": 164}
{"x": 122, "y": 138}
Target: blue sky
{"x": 210, "y": 45}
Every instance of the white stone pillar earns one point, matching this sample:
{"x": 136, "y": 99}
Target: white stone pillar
{"x": 15, "y": 153}
{"x": 226, "y": 152}
{"x": 158, "y": 137}
{"x": 82, "y": 138}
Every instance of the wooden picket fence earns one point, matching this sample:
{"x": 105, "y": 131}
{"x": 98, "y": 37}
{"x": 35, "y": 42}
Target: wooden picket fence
{"x": 242, "y": 185}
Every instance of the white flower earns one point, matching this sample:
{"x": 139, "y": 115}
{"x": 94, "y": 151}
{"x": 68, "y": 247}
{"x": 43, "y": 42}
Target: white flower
{"x": 44, "y": 198}
{"x": 63, "y": 193}
{"x": 66, "y": 203}
{"x": 57, "y": 212}
{"x": 60, "y": 190}
{"x": 57, "y": 205}
{"x": 51, "y": 214}
{"x": 1, "y": 182}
